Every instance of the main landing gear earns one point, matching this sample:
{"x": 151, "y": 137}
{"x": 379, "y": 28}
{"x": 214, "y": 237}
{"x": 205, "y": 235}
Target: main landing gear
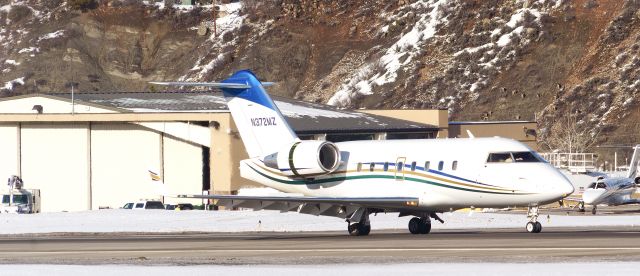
{"x": 359, "y": 229}
{"x": 533, "y": 226}
{"x": 422, "y": 224}
{"x": 358, "y": 223}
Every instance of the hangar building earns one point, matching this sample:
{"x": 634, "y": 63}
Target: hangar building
{"x": 97, "y": 150}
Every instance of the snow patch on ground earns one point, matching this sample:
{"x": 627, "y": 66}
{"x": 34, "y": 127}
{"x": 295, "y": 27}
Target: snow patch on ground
{"x": 120, "y": 220}
{"x": 453, "y": 269}
{"x": 52, "y": 35}
{"x": 29, "y": 50}
{"x": 11, "y": 62}
{"x": 10, "y": 85}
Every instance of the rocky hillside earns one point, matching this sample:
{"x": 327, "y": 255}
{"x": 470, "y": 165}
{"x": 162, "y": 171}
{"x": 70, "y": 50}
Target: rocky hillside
{"x": 572, "y": 66}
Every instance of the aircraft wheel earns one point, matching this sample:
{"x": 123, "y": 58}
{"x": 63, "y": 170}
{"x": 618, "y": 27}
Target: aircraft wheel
{"x": 354, "y": 229}
{"x": 538, "y": 227}
{"x": 414, "y": 225}
{"x": 594, "y": 210}
{"x": 359, "y": 229}
{"x": 364, "y": 229}
{"x": 531, "y": 227}
{"x": 425, "y": 226}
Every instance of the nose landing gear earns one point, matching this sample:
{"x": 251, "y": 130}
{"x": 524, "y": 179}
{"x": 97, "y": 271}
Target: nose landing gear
{"x": 533, "y": 226}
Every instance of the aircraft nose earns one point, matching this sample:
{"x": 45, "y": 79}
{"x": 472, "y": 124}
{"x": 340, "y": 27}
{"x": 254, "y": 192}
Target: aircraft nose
{"x": 564, "y": 186}
{"x": 590, "y": 196}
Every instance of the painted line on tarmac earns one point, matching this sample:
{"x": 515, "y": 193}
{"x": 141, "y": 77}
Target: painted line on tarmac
{"x": 352, "y": 250}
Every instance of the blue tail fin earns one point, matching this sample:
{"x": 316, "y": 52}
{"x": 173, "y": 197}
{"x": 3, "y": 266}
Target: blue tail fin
{"x": 262, "y": 127}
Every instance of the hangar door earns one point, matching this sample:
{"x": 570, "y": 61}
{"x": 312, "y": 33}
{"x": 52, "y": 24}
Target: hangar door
{"x": 121, "y": 156}
{"x": 55, "y": 160}
{"x": 8, "y": 152}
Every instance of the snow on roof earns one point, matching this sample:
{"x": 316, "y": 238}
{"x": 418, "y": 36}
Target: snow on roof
{"x": 293, "y": 110}
{"x": 304, "y": 117}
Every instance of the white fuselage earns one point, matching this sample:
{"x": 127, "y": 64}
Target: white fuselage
{"x": 612, "y": 191}
{"x": 458, "y": 174}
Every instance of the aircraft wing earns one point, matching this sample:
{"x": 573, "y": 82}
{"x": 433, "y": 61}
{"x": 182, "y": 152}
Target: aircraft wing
{"x": 631, "y": 201}
{"x": 326, "y": 206}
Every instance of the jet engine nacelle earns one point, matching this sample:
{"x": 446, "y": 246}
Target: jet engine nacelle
{"x": 305, "y": 159}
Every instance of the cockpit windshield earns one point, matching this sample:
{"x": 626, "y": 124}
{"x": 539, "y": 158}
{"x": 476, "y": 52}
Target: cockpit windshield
{"x": 517, "y": 157}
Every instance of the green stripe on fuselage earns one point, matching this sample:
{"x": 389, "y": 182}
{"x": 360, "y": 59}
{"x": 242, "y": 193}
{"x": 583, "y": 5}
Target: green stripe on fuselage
{"x": 372, "y": 176}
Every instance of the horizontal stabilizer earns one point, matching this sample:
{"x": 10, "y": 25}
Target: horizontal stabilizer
{"x": 205, "y": 84}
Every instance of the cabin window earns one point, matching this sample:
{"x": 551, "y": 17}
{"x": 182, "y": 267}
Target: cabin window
{"x": 454, "y": 165}
{"x": 359, "y": 166}
{"x": 440, "y": 165}
{"x": 426, "y": 165}
{"x": 500, "y": 157}
{"x": 526, "y": 157}
{"x": 372, "y": 166}
{"x": 400, "y": 166}
{"x": 386, "y": 166}
{"x": 413, "y": 166}
{"x": 518, "y": 157}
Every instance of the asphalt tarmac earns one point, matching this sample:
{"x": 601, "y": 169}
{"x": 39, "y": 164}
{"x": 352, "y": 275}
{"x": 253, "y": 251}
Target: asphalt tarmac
{"x": 552, "y": 245}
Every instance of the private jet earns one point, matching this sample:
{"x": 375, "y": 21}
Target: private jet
{"x": 613, "y": 191}
{"x": 352, "y": 180}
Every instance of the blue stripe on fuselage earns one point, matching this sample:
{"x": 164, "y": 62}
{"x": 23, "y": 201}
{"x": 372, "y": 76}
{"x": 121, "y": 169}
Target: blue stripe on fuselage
{"x": 408, "y": 165}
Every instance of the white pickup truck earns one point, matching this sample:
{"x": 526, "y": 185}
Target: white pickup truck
{"x": 24, "y": 202}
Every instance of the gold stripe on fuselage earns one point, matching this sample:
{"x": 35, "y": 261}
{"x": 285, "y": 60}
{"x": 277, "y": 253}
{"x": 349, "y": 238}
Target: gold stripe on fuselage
{"x": 346, "y": 172}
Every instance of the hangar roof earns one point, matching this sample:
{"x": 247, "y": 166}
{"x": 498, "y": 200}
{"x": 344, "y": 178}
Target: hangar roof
{"x": 304, "y": 117}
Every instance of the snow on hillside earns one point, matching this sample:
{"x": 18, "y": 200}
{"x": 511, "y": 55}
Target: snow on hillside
{"x": 11, "y": 84}
{"x": 225, "y": 24}
{"x": 397, "y": 56}
{"x": 476, "y": 63}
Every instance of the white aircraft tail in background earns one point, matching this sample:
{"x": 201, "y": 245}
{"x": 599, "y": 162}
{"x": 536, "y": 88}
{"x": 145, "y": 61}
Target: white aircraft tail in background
{"x": 352, "y": 180}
